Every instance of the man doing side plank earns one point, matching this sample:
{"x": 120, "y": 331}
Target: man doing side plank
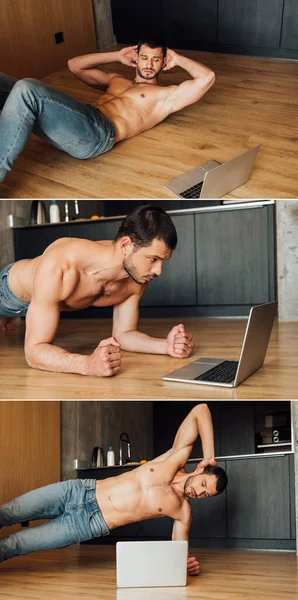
{"x": 127, "y": 107}
{"x": 83, "y": 509}
{"x": 74, "y": 273}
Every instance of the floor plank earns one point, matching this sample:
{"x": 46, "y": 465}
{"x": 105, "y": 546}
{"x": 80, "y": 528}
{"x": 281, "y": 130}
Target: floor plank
{"x": 254, "y": 101}
{"x": 89, "y": 572}
{"x": 141, "y": 374}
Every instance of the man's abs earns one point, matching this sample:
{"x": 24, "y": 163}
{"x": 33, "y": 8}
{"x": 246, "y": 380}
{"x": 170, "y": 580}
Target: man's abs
{"x": 137, "y": 109}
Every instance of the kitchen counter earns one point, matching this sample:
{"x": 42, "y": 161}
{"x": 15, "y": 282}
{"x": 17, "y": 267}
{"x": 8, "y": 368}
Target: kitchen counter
{"x": 222, "y": 208}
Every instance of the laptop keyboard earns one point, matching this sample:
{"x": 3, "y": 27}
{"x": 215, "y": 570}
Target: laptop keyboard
{"x": 192, "y": 192}
{"x": 225, "y": 372}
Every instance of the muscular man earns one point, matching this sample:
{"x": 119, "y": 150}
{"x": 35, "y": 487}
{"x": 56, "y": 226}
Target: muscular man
{"x": 73, "y": 273}
{"x": 85, "y": 509}
{"x": 126, "y": 109}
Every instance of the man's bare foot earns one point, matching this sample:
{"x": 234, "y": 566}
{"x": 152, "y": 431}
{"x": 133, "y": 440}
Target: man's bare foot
{"x": 7, "y": 324}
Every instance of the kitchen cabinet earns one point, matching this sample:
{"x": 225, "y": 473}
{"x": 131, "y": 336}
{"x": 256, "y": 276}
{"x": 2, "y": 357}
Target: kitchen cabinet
{"x": 188, "y": 24}
{"x": 253, "y": 23}
{"x": 223, "y": 264}
{"x": 236, "y": 425}
{"x": 289, "y": 38}
{"x": 176, "y": 286}
{"x": 132, "y": 19}
{"x": 235, "y": 257}
{"x": 258, "y": 498}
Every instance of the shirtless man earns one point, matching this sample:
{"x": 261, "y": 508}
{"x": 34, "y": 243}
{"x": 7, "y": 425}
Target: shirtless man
{"x": 85, "y": 509}
{"x": 126, "y": 109}
{"x": 73, "y": 273}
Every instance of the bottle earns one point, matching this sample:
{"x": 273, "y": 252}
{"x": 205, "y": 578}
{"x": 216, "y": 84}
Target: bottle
{"x": 54, "y": 212}
{"x": 110, "y": 457}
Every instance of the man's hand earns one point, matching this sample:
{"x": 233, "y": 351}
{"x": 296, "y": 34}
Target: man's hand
{"x": 193, "y": 566}
{"x": 179, "y": 342}
{"x": 206, "y": 462}
{"x": 171, "y": 58}
{"x": 128, "y": 56}
{"x": 105, "y": 360}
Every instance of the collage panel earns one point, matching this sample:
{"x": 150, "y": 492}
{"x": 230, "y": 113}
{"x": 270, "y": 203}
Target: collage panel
{"x": 106, "y": 495}
{"x": 167, "y": 302}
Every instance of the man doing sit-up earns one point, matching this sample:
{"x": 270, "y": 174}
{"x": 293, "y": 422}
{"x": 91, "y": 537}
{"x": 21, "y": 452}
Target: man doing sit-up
{"x": 127, "y": 107}
{"x": 75, "y": 273}
{"x": 83, "y": 509}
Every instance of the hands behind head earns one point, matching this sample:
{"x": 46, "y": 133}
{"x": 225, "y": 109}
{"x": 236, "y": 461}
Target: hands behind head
{"x": 179, "y": 342}
{"x": 193, "y": 566}
{"x": 206, "y": 462}
{"x": 170, "y": 60}
{"x": 128, "y": 56}
{"x": 105, "y": 361}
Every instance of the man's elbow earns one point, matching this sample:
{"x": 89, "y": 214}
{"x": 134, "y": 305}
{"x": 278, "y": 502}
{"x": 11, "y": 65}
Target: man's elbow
{"x": 31, "y": 357}
{"x": 72, "y": 65}
{"x": 210, "y": 79}
{"x": 200, "y": 409}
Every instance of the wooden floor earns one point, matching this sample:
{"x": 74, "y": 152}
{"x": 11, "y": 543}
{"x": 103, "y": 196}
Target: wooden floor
{"x": 89, "y": 572}
{"x": 141, "y": 374}
{"x": 254, "y": 101}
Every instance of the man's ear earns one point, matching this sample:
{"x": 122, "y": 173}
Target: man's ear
{"x": 199, "y": 470}
{"x": 126, "y": 244}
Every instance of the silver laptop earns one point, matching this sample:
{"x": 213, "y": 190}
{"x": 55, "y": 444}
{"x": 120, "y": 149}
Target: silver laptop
{"x": 151, "y": 564}
{"x": 212, "y": 179}
{"x": 230, "y": 373}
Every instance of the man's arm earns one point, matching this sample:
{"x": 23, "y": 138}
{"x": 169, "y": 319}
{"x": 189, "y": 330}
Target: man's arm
{"x": 180, "y": 532}
{"x": 192, "y": 90}
{"x": 42, "y": 323}
{"x": 178, "y": 343}
{"x": 87, "y": 67}
{"x": 198, "y": 423}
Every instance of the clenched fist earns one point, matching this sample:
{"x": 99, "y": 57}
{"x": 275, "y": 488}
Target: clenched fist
{"x": 193, "y": 566}
{"x": 179, "y": 342}
{"x": 105, "y": 361}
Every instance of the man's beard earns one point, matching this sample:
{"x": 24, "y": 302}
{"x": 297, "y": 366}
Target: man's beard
{"x": 148, "y": 77}
{"x": 132, "y": 271}
{"x": 186, "y": 484}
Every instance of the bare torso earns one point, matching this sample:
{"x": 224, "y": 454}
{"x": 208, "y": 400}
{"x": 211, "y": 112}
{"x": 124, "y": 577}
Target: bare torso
{"x": 143, "y": 493}
{"x": 87, "y": 278}
{"x": 134, "y": 107}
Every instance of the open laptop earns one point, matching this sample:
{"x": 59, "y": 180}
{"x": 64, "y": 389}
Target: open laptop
{"x": 151, "y": 564}
{"x": 230, "y": 373}
{"x": 212, "y": 179}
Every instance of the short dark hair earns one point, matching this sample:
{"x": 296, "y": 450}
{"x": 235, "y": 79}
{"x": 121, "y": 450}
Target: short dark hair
{"x": 153, "y": 41}
{"x": 221, "y": 477}
{"x": 145, "y": 223}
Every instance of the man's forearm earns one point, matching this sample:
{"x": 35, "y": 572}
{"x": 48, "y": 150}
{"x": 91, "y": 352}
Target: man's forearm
{"x": 194, "y": 68}
{"x": 198, "y": 423}
{"x": 52, "y": 358}
{"x": 136, "y": 341}
{"x": 91, "y": 61}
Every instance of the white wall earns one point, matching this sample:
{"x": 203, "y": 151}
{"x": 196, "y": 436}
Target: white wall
{"x": 287, "y": 258}
{"x": 103, "y": 24}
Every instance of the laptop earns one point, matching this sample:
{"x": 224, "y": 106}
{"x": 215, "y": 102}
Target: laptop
{"x": 151, "y": 564}
{"x": 212, "y": 179}
{"x": 230, "y": 373}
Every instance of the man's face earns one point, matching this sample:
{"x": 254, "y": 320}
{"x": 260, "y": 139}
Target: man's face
{"x": 145, "y": 264}
{"x": 150, "y": 62}
{"x": 200, "y": 486}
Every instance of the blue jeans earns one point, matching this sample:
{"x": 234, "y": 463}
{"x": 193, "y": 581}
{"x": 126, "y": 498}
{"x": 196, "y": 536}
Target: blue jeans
{"x": 29, "y": 106}
{"x": 10, "y": 305}
{"x": 71, "y": 506}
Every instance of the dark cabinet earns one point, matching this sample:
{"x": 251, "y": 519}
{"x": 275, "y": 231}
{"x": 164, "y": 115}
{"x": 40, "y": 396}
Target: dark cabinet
{"x": 133, "y": 19}
{"x": 235, "y": 256}
{"x": 30, "y": 242}
{"x": 208, "y": 514}
{"x": 250, "y": 22}
{"x": 176, "y": 286}
{"x": 105, "y": 230}
{"x": 289, "y": 38}
{"x": 258, "y": 498}
{"x": 236, "y": 428}
{"x": 188, "y": 24}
